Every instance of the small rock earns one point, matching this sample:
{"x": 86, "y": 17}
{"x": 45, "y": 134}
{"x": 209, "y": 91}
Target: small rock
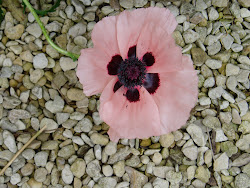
{"x": 67, "y": 63}
{"x": 202, "y": 174}
{"x": 41, "y": 158}
{"x": 126, "y": 3}
{"x": 107, "y": 170}
{"x": 221, "y": 163}
{"x": 227, "y": 41}
{"x": 77, "y": 30}
{"x": 197, "y": 135}
{"x": 221, "y": 3}
{"x": 15, "y": 179}
{"x": 236, "y": 47}
{"x": 50, "y": 123}
{"x": 190, "y": 152}
{"x": 40, "y": 174}
{"x": 67, "y": 175}
{"x": 213, "y": 14}
{"x": 93, "y": 169}
{"x": 166, "y": 140}
{"x": 242, "y": 160}
{"x": 99, "y": 139}
{"x": 55, "y": 106}
{"x": 15, "y": 32}
{"x": 140, "y": 179}
{"x": 213, "y": 64}
{"x": 34, "y": 29}
{"x": 107, "y": 182}
{"x": 9, "y": 141}
{"x": 242, "y": 181}
{"x": 120, "y": 155}
{"x": 232, "y": 69}
{"x": 214, "y": 48}
{"x": 190, "y": 36}
{"x": 16, "y": 114}
{"x": 40, "y": 61}
{"x": 173, "y": 177}
{"x": 66, "y": 151}
{"x": 212, "y": 122}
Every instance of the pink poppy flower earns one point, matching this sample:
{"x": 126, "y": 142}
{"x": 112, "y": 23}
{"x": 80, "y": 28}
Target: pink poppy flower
{"x": 147, "y": 86}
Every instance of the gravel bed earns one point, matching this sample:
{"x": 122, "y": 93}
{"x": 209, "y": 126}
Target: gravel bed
{"x": 38, "y": 86}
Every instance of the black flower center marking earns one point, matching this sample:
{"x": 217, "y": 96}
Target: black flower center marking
{"x": 132, "y": 73}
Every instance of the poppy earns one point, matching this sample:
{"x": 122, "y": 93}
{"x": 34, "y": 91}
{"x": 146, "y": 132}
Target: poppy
{"x": 147, "y": 86}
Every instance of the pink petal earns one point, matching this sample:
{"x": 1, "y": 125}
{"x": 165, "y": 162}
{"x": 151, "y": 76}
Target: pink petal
{"x": 130, "y": 24}
{"x": 129, "y": 120}
{"x": 155, "y": 39}
{"x": 92, "y": 70}
{"x": 176, "y": 96}
{"x": 104, "y": 35}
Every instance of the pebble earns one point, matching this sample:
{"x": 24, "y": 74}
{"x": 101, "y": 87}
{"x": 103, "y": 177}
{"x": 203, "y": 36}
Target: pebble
{"x": 9, "y": 141}
{"x": 212, "y": 122}
{"x": 28, "y": 154}
{"x": 110, "y": 148}
{"x": 16, "y": 114}
{"x": 41, "y": 158}
{"x": 121, "y": 154}
{"x": 99, "y": 139}
{"x": 213, "y": 14}
{"x": 140, "y": 180}
{"x": 14, "y": 32}
{"x": 203, "y": 174}
{"x": 126, "y": 3}
{"x": 232, "y": 69}
{"x": 67, "y": 175}
{"x": 67, "y": 63}
{"x": 34, "y": 29}
{"x": 166, "y": 140}
{"x": 227, "y": 41}
{"x": 107, "y": 170}
{"x": 214, "y": 48}
{"x": 236, "y": 47}
{"x": 78, "y": 168}
{"x": 55, "y": 106}
{"x": 242, "y": 160}
{"x": 40, "y": 61}
{"x": 93, "y": 169}
{"x": 190, "y": 36}
{"x": 107, "y": 182}
{"x": 213, "y": 64}
{"x": 66, "y": 151}
{"x": 40, "y": 174}
{"x": 216, "y": 92}
{"x": 197, "y": 135}
{"x": 173, "y": 177}
{"x": 190, "y": 152}
{"x": 77, "y": 30}
{"x": 242, "y": 181}
{"x": 51, "y": 124}
{"x": 221, "y": 163}
{"x": 15, "y": 179}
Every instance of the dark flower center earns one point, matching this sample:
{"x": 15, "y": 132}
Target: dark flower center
{"x": 132, "y": 72}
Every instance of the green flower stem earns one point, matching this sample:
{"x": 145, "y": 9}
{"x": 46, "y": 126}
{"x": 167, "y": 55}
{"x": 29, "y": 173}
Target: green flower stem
{"x": 62, "y": 51}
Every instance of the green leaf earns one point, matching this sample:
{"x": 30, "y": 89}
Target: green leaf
{"x": 44, "y": 12}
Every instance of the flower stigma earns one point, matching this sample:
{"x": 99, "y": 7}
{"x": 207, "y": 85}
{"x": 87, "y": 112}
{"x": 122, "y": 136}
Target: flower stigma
{"x": 132, "y": 72}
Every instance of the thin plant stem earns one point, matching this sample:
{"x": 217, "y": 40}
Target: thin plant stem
{"x": 62, "y": 51}
{"x": 21, "y": 150}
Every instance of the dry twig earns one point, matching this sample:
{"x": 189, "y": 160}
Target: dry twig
{"x": 21, "y": 150}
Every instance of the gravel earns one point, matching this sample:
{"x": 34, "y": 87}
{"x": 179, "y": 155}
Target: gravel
{"x": 39, "y": 87}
